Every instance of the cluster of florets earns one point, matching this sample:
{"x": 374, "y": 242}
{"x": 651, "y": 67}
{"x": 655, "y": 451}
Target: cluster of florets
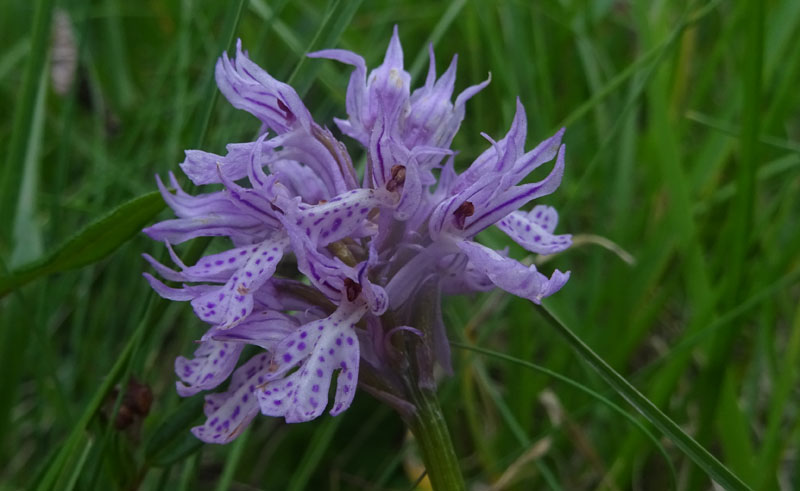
{"x": 355, "y": 253}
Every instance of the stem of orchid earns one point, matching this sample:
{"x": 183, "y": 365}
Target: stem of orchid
{"x": 428, "y": 425}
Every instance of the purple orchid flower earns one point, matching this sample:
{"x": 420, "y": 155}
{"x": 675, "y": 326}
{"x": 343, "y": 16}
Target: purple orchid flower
{"x": 371, "y": 260}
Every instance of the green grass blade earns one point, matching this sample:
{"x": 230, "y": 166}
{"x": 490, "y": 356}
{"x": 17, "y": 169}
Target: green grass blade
{"x": 586, "y": 390}
{"x": 323, "y": 436}
{"x": 699, "y": 455}
{"x": 23, "y": 115}
{"x": 232, "y": 19}
{"x": 439, "y": 29}
{"x": 27, "y": 232}
{"x": 232, "y": 462}
{"x": 335, "y": 21}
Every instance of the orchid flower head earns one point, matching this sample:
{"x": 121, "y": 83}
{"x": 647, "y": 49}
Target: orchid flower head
{"x": 325, "y": 264}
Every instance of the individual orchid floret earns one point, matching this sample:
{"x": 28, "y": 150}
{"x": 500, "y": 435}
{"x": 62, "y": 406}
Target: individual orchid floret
{"x": 247, "y": 86}
{"x": 336, "y": 279}
{"x": 432, "y": 119}
{"x": 385, "y": 91}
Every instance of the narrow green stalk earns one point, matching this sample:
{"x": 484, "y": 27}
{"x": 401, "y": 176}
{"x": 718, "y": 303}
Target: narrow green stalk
{"x": 430, "y": 430}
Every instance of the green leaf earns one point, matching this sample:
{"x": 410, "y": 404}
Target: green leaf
{"x": 93, "y": 243}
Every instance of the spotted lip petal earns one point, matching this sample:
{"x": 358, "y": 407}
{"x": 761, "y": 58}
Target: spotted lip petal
{"x": 534, "y": 230}
{"x": 228, "y": 413}
{"x": 233, "y": 302}
{"x": 317, "y": 350}
{"x": 213, "y": 362}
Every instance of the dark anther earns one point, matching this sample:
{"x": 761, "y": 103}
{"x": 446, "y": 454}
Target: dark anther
{"x": 462, "y": 212}
{"x": 283, "y": 107}
{"x": 275, "y": 208}
{"x": 352, "y": 289}
{"x": 398, "y": 177}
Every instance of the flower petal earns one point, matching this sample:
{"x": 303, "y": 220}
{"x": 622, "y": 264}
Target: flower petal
{"x": 528, "y": 230}
{"x": 320, "y": 348}
{"x": 495, "y": 209}
{"x": 342, "y": 216}
{"x": 213, "y": 362}
{"x": 264, "y": 329}
{"x": 356, "y": 99}
{"x": 228, "y": 413}
{"x": 247, "y": 86}
{"x": 511, "y": 275}
{"x": 177, "y": 294}
{"x": 201, "y": 167}
{"x": 232, "y": 302}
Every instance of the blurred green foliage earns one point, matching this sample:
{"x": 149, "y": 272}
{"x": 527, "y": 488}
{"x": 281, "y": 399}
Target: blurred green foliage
{"x": 683, "y": 149}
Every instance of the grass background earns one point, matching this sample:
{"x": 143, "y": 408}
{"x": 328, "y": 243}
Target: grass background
{"x": 683, "y": 137}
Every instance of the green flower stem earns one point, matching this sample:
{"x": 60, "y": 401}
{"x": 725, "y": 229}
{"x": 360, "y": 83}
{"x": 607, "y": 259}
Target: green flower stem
{"x": 430, "y": 430}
